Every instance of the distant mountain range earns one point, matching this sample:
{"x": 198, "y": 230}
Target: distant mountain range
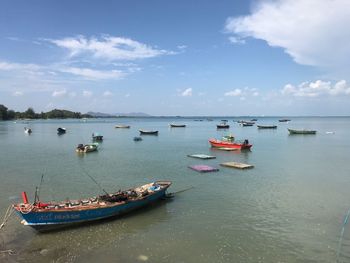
{"x": 106, "y": 115}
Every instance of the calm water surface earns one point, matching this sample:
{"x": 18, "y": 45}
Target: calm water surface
{"x": 289, "y": 208}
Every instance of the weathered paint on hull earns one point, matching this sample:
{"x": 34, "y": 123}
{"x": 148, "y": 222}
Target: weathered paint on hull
{"x": 48, "y": 220}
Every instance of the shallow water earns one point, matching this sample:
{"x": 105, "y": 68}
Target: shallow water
{"x": 289, "y": 208}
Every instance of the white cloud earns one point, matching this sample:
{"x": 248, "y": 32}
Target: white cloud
{"x": 18, "y": 66}
{"x": 107, "y": 93}
{"x": 59, "y": 93}
{"x": 236, "y": 40}
{"x": 181, "y": 47}
{"x": 187, "y": 92}
{"x": 109, "y": 48}
{"x": 87, "y": 93}
{"x": 234, "y": 93}
{"x": 94, "y": 74}
{"x": 312, "y": 32}
{"x": 17, "y": 93}
{"x": 316, "y": 89}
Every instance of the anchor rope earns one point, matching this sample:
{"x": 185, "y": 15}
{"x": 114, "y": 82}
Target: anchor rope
{"x": 345, "y": 221}
{"x": 7, "y": 215}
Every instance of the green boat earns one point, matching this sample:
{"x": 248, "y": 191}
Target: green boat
{"x": 291, "y": 131}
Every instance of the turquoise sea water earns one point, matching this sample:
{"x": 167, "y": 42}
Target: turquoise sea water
{"x": 289, "y": 208}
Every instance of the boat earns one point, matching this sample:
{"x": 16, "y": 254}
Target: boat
{"x": 247, "y": 124}
{"x": 97, "y": 137}
{"x": 137, "y": 139}
{"x": 27, "y": 130}
{"x": 223, "y": 125}
{"x": 267, "y": 126}
{"x": 122, "y": 126}
{"x": 291, "y": 131}
{"x": 144, "y": 132}
{"x": 44, "y": 216}
{"x": 254, "y": 120}
{"x": 225, "y": 144}
{"x": 61, "y": 130}
{"x": 172, "y": 125}
{"x": 81, "y": 148}
{"x": 284, "y": 120}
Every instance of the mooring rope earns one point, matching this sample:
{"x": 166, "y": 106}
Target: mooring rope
{"x": 6, "y": 216}
{"x": 345, "y": 221}
{"x": 170, "y": 195}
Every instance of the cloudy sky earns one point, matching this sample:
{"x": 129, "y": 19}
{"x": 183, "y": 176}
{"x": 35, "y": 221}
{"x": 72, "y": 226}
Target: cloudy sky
{"x": 273, "y": 57}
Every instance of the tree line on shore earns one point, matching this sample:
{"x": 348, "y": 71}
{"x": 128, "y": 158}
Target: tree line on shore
{"x": 6, "y": 114}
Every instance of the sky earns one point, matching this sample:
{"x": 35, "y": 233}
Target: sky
{"x": 224, "y": 58}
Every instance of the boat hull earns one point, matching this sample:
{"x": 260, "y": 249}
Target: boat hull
{"x": 148, "y": 132}
{"x": 267, "y": 127}
{"x": 223, "y": 144}
{"x": 42, "y": 221}
{"x": 305, "y": 132}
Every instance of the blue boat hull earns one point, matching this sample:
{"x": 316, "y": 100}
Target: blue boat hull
{"x": 51, "y": 219}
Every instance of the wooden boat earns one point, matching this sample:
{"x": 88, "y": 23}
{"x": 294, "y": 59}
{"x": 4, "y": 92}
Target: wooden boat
{"x": 81, "y": 148}
{"x": 122, "y": 126}
{"x": 27, "y": 130}
{"x": 267, "y": 126}
{"x": 291, "y": 131}
{"x": 144, "y": 132}
{"x": 137, "y": 139}
{"x": 172, "y": 125}
{"x": 44, "y": 216}
{"x": 61, "y": 130}
{"x": 284, "y": 120}
{"x": 97, "y": 137}
{"x": 223, "y": 125}
{"x": 235, "y": 145}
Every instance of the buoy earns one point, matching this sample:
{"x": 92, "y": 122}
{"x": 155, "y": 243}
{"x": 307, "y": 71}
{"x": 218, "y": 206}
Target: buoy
{"x": 24, "y": 197}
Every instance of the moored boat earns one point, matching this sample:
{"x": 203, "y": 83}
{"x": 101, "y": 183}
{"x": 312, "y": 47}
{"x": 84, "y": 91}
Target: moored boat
{"x": 27, "y": 130}
{"x": 173, "y": 125}
{"x": 61, "y": 130}
{"x": 97, "y": 137}
{"x": 137, "y": 139}
{"x": 81, "y": 148}
{"x": 223, "y": 125}
{"x": 284, "y": 120}
{"x": 267, "y": 126}
{"x": 43, "y": 216}
{"x": 292, "y": 131}
{"x": 122, "y": 126}
{"x": 145, "y": 132}
{"x": 226, "y": 144}
{"x": 247, "y": 124}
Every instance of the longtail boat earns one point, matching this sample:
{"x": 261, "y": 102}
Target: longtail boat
{"x": 267, "y": 126}
{"x": 144, "y": 132}
{"x": 291, "y": 131}
{"x": 226, "y": 144}
{"x": 172, "y": 125}
{"x": 44, "y": 216}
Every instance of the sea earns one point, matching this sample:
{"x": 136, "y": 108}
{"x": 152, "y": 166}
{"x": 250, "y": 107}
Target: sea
{"x": 293, "y": 206}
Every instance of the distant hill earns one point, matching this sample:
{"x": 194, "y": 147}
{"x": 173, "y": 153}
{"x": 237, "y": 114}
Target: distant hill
{"x": 107, "y": 115}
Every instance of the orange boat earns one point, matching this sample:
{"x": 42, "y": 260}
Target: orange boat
{"x": 226, "y": 144}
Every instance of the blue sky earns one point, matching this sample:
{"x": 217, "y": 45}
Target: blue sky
{"x": 283, "y": 57}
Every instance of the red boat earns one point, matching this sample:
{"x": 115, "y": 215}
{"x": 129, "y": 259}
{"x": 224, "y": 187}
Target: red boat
{"x": 225, "y": 144}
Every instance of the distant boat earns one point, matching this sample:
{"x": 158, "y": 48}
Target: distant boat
{"x": 267, "y": 126}
{"x": 45, "y": 216}
{"x": 246, "y": 124}
{"x": 61, "y": 130}
{"x": 97, "y": 137}
{"x": 144, "y": 132}
{"x": 27, "y": 130}
{"x": 226, "y": 144}
{"x": 81, "y": 148}
{"x": 172, "y": 125}
{"x": 254, "y": 120}
{"x": 284, "y": 120}
{"x": 291, "y": 131}
{"x": 137, "y": 139}
{"x": 122, "y": 126}
{"x": 223, "y": 125}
